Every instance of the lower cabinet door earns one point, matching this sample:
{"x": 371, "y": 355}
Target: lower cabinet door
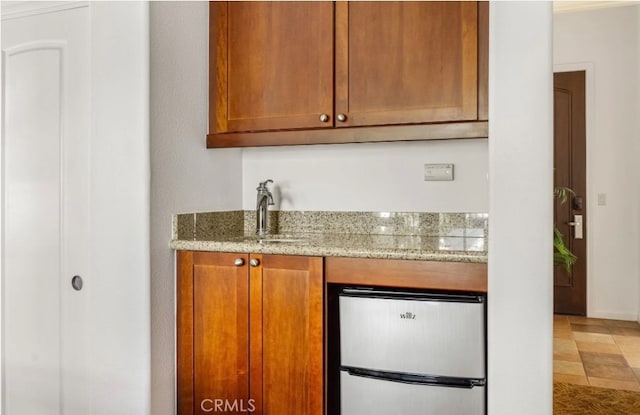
{"x": 287, "y": 335}
{"x": 213, "y": 333}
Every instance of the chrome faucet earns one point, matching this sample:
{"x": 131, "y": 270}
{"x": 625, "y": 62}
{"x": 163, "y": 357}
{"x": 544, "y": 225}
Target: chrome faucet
{"x": 265, "y": 198}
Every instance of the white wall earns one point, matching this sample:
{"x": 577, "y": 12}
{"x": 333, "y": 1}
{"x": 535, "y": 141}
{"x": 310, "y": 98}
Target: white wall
{"x": 119, "y": 198}
{"x": 185, "y": 176}
{"x": 520, "y": 290}
{"x": 606, "y": 41}
{"x": 370, "y": 177}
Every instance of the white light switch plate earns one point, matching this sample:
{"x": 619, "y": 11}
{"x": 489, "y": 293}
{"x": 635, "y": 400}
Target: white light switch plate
{"x": 602, "y": 199}
{"x": 438, "y": 172}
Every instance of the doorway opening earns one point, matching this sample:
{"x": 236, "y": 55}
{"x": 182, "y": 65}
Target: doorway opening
{"x": 569, "y": 98}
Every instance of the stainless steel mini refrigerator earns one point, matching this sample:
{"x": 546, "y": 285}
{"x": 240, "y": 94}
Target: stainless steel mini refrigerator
{"x": 410, "y": 353}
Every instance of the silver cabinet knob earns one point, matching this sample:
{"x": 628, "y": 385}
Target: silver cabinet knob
{"x": 254, "y": 262}
{"x": 324, "y": 117}
{"x": 341, "y": 117}
{"x": 238, "y": 262}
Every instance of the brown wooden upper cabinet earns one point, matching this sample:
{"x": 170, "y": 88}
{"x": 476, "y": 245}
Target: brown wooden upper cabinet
{"x": 346, "y": 72}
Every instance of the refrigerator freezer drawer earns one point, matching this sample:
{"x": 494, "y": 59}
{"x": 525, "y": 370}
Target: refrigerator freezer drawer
{"x": 413, "y": 335}
{"x": 367, "y": 396}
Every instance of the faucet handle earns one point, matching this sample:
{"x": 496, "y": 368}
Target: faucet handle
{"x": 263, "y": 185}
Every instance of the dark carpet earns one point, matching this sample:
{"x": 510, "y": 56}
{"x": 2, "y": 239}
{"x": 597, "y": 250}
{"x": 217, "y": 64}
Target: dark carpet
{"x": 587, "y": 400}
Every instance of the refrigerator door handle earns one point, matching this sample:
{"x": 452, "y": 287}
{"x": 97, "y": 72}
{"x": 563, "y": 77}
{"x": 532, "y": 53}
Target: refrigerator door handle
{"x": 414, "y": 379}
{"x": 413, "y": 295}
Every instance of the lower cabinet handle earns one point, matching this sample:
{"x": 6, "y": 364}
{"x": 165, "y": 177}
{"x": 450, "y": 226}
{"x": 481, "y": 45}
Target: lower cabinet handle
{"x": 254, "y": 262}
{"x": 239, "y": 262}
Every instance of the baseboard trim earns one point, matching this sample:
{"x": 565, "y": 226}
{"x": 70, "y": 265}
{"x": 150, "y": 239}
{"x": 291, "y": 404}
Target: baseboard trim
{"x": 614, "y": 316}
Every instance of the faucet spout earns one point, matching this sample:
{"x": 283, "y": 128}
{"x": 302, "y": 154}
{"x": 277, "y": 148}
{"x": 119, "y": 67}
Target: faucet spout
{"x": 263, "y": 201}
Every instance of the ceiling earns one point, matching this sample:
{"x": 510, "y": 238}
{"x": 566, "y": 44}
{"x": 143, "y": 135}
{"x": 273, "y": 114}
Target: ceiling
{"x": 559, "y": 6}
{"x": 576, "y": 5}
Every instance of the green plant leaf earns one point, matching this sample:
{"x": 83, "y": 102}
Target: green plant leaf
{"x": 562, "y": 193}
{"x": 562, "y": 255}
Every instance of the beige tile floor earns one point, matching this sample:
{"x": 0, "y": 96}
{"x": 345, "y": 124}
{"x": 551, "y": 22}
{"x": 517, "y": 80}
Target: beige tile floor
{"x": 596, "y": 352}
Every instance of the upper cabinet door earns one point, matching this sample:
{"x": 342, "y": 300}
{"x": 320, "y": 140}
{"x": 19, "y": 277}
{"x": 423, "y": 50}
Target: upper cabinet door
{"x": 274, "y": 65}
{"x": 406, "y": 62}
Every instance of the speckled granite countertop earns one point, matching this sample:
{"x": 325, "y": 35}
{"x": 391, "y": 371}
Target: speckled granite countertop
{"x": 414, "y": 236}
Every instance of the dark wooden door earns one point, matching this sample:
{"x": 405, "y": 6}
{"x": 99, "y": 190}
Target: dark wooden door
{"x": 406, "y": 62}
{"x": 213, "y": 331}
{"x": 274, "y": 65}
{"x": 287, "y": 335}
{"x": 570, "y": 289}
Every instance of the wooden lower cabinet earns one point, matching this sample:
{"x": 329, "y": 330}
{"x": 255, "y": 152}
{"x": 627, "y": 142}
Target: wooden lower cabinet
{"x": 249, "y": 334}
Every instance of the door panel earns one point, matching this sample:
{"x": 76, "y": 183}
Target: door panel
{"x": 45, "y": 160}
{"x": 287, "y": 309}
{"x": 373, "y": 333}
{"x": 220, "y": 330}
{"x": 33, "y": 188}
{"x": 368, "y": 396}
{"x": 570, "y": 171}
{"x": 406, "y": 62}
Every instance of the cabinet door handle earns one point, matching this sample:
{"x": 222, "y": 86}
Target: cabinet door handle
{"x": 324, "y": 117}
{"x": 239, "y": 262}
{"x": 341, "y": 117}
{"x": 254, "y": 262}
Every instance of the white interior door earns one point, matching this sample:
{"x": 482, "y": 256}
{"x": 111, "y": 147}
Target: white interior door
{"x": 45, "y": 210}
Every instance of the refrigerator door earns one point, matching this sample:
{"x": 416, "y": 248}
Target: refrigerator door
{"x": 367, "y": 396}
{"x": 422, "y": 334}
